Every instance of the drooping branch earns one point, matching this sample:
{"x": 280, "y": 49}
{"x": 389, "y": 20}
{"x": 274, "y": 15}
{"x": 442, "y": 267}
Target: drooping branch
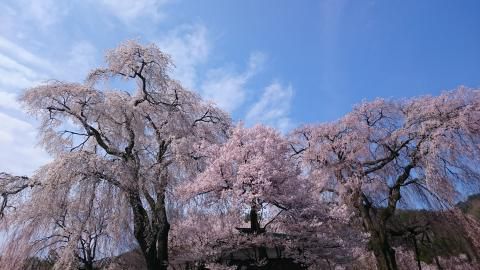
{"x": 10, "y": 186}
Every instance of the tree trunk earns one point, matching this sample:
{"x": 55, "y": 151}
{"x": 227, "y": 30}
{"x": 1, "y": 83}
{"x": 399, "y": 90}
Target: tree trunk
{"x": 162, "y": 233}
{"x": 254, "y": 222}
{"x": 89, "y": 266}
{"x": 162, "y": 246}
{"x": 153, "y": 261}
{"x": 152, "y": 236}
{"x": 156, "y": 253}
{"x": 417, "y": 253}
{"x": 256, "y": 229}
{"x": 384, "y": 253}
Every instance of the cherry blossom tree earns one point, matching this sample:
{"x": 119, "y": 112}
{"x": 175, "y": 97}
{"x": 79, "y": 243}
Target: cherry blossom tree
{"x": 71, "y": 219}
{"x": 135, "y": 143}
{"x": 249, "y": 177}
{"x": 252, "y": 170}
{"x": 418, "y": 152}
{"x": 257, "y": 175}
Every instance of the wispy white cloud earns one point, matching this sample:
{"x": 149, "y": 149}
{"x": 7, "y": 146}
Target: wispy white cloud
{"x": 22, "y": 55}
{"x": 11, "y": 64}
{"x": 8, "y": 101}
{"x": 129, "y": 11}
{"x": 228, "y": 88}
{"x": 81, "y": 58}
{"x": 40, "y": 14}
{"x": 256, "y": 62}
{"x": 14, "y": 79}
{"x": 45, "y": 12}
{"x": 273, "y": 107}
{"x": 20, "y": 68}
{"x": 189, "y": 47}
{"x": 19, "y": 155}
{"x": 14, "y": 75}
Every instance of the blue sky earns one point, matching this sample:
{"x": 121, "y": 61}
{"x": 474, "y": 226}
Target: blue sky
{"x": 282, "y": 63}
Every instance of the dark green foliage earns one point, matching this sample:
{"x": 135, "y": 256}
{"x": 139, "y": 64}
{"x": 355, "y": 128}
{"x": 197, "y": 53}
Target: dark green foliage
{"x": 471, "y": 206}
{"x": 435, "y": 234}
